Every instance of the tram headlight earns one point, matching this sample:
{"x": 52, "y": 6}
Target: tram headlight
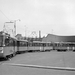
{"x": 1, "y": 50}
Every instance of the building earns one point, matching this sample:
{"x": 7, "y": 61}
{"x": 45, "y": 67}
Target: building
{"x": 19, "y": 37}
{"x": 57, "y": 38}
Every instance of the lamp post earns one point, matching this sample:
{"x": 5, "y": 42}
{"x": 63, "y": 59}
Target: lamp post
{"x": 4, "y": 28}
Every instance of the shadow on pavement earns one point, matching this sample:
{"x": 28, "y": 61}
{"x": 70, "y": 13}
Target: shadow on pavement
{"x": 3, "y": 59}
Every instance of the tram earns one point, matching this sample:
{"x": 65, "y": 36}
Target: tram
{"x": 26, "y": 46}
{"x": 22, "y": 46}
{"x": 64, "y": 46}
{"x": 8, "y": 46}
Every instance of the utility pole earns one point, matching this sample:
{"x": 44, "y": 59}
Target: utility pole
{"x": 52, "y": 31}
{"x": 25, "y": 31}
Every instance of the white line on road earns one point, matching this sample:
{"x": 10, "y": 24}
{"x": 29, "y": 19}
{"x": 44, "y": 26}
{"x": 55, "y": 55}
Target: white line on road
{"x": 42, "y": 67}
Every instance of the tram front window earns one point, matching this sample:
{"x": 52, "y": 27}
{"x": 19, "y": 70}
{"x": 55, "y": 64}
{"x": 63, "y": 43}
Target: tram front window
{"x": 7, "y": 42}
{"x": 1, "y": 40}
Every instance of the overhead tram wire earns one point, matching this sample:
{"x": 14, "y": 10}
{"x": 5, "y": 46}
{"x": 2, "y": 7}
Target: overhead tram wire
{"x": 4, "y": 15}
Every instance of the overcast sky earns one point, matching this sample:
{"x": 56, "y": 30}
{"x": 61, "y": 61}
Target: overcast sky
{"x": 48, "y": 16}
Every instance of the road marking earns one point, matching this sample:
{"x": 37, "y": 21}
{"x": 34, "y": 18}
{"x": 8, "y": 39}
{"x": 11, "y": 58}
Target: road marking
{"x": 41, "y": 67}
{"x": 1, "y": 63}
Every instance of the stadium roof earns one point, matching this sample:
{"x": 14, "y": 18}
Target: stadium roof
{"x": 56, "y": 38}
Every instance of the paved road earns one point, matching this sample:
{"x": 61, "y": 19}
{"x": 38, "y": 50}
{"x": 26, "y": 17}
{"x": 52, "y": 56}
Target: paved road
{"x": 55, "y": 59}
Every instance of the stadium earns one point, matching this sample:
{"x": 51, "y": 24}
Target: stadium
{"x": 57, "y": 38}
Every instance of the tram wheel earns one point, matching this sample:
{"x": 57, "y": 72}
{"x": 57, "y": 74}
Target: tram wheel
{"x": 6, "y": 57}
{"x": 13, "y": 54}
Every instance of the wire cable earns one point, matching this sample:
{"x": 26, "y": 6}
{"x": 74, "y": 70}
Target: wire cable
{"x": 4, "y": 15}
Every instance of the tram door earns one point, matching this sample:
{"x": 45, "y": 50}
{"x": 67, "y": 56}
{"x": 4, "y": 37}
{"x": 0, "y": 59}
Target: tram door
{"x": 18, "y": 46}
{"x": 14, "y": 46}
